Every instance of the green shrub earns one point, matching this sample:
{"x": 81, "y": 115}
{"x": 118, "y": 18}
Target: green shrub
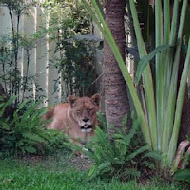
{"x": 127, "y": 157}
{"x": 24, "y": 132}
{"x": 76, "y": 66}
{"x": 182, "y": 175}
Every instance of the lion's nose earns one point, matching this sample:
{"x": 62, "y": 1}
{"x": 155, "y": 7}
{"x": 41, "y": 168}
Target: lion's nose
{"x": 85, "y": 120}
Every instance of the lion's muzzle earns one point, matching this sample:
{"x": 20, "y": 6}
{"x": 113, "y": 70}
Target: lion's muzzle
{"x": 86, "y": 126}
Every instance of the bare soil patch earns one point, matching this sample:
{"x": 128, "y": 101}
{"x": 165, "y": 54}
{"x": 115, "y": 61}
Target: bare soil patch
{"x": 81, "y": 163}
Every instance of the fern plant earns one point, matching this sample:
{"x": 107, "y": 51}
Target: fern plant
{"x": 25, "y": 131}
{"x": 127, "y": 157}
{"x": 182, "y": 175}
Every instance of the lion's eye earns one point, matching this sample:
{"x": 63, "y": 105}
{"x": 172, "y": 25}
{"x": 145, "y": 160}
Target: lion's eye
{"x": 90, "y": 109}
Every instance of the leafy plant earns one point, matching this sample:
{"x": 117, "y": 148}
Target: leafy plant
{"x": 127, "y": 157}
{"x": 73, "y": 56}
{"x": 25, "y": 131}
{"x": 161, "y": 116}
{"x": 182, "y": 175}
{"x": 76, "y": 66}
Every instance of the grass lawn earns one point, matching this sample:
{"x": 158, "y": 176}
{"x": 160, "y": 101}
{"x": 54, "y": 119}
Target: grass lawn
{"x": 57, "y": 173}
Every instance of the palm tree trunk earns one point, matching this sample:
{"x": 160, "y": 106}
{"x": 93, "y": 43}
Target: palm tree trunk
{"x": 116, "y": 102}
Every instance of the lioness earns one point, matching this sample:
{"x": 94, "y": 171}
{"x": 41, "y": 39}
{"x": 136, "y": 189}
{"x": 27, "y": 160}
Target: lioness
{"x": 77, "y": 118}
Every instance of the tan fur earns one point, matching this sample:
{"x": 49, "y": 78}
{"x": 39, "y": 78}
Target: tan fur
{"x": 77, "y": 118}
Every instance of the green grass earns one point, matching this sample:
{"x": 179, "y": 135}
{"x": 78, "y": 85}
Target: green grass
{"x": 56, "y": 173}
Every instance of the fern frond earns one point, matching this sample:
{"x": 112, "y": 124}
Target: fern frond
{"x": 133, "y": 172}
{"x": 112, "y": 158}
{"x": 34, "y": 137}
{"x": 30, "y": 149}
{"x": 133, "y": 131}
{"x": 137, "y": 152}
{"x": 25, "y": 132}
{"x": 5, "y": 124}
{"x": 4, "y": 103}
{"x": 154, "y": 155}
{"x": 102, "y": 121}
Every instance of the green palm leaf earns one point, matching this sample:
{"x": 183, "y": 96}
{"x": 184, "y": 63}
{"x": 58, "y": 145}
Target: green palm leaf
{"x": 144, "y": 61}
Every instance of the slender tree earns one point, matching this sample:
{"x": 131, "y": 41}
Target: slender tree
{"x": 116, "y": 102}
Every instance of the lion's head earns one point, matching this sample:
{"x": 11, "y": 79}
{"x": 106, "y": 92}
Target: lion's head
{"x": 83, "y": 110}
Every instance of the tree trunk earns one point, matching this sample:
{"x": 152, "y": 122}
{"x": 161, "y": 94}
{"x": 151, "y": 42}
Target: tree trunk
{"x": 116, "y": 102}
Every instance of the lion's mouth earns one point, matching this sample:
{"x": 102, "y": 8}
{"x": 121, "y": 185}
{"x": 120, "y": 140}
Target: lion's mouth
{"x": 86, "y": 128}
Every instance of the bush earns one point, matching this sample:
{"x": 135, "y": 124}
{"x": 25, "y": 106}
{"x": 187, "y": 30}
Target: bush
{"x": 76, "y": 66}
{"x": 182, "y": 175}
{"x": 24, "y": 132}
{"x": 127, "y": 157}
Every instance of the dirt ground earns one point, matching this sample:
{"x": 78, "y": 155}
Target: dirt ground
{"x": 78, "y": 162}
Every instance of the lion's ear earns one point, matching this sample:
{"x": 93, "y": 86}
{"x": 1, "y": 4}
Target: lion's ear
{"x": 71, "y": 100}
{"x": 96, "y": 98}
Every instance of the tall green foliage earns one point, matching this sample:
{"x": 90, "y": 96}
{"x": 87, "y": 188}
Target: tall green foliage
{"x": 163, "y": 100}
